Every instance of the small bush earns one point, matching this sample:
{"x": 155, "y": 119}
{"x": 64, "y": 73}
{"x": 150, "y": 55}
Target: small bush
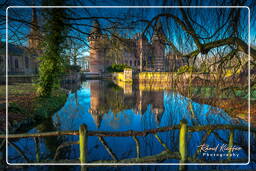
{"x": 117, "y": 67}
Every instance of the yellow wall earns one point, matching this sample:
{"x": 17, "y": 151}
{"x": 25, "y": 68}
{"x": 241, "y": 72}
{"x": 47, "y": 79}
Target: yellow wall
{"x": 155, "y": 76}
{"x": 123, "y": 76}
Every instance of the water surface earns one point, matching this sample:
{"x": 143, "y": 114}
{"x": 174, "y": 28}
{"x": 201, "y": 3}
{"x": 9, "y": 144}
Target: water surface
{"x": 102, "y": 105}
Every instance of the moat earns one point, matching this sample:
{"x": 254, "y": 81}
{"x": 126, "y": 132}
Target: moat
{"x": 104, "y": 106}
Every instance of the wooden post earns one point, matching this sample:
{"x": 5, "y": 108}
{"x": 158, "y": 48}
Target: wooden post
{"x": 137, "y": 146}
{"x": 83, "y": 143}
{"x": 37, "y": 145}
{"x": 230, "y": 143}
{"x": 183, "y": 143}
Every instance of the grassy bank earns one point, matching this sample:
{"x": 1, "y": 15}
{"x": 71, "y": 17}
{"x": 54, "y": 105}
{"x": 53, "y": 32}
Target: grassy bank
{"x": 40, "y": 107}
{"x": 24, "y": 105}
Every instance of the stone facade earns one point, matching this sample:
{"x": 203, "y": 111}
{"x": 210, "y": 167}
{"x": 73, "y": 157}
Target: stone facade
{"x": 20, "y": 60}
{"x": 143, "y": 55}
{"x": 174, "y": 62}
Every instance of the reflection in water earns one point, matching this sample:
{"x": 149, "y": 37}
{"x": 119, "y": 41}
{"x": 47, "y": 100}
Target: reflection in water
{"x": 106, "y": 96}
{"x": 102, "y": 105}
{"x": 50, "y": 142}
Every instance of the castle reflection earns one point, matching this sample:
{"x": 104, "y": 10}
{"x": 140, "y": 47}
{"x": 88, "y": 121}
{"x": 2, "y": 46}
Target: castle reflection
{"x": 108, "y": 97}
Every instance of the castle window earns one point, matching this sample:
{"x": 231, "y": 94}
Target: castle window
{"x": 138, "y": 62}
{"x": 134, "y": 63}
{"x": 26, "y": 62}
{"x": 130, "y": 62}
{"x": 16, "y": 63}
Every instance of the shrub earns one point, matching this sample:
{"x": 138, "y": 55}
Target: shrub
{"x": 117, "y": 67}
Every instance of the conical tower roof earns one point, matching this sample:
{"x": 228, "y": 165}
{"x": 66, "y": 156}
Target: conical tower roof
{"x": 34, "y": 22}
{"x": 34, "y": 35}
{"x": 158, "y": 31}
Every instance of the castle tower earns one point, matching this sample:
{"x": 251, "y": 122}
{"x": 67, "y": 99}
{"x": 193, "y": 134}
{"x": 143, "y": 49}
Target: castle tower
{"x": 142, "y": 50}
{"x": 96, "y": 102}
{"x": 158, "y": 41}
{"x": 34, "y": 35}
{"x": 96, "y": 59}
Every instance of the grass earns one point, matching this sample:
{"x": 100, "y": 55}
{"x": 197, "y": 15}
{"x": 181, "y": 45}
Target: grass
{"x": 23, "y": 102}
{"x": 14, "y": 90}
{"x": 45, "y": 106}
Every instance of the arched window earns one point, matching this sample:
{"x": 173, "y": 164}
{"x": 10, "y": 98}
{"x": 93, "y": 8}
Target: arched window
{"x": 144, "y": 63}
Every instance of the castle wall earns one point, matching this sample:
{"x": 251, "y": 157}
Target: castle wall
{"x": 141, "y": 55}
{"x": 24, "y": 63}
{"x": 97, "y": 57}
{"x": 158, "y": 59}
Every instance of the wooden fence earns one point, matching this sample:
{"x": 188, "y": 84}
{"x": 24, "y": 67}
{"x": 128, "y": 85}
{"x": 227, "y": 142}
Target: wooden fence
{"x": 167, "y": 153}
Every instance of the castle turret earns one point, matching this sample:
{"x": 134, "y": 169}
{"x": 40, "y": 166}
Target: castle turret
{"x": 96, "y": 102}
{"x": 34, "y": 35}
{"x": 158, "y": 41}
{"x": 96, "y": 60}
{"x": 142, "y": 50}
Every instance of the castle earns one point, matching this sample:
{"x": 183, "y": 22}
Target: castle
{"x": 140, "y": 54}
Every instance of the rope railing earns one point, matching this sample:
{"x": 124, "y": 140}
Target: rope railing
{"x": 167, "y": 153}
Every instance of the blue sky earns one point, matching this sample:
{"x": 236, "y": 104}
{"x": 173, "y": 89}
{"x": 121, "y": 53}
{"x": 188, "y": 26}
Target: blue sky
{"x": 204, "y": 17}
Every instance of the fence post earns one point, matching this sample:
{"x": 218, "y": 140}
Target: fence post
{"x": 230, "y": 143}
{"x": 37, "y": 145}
{"x": 83, "y": 143}
{"x": 183, "y": 143}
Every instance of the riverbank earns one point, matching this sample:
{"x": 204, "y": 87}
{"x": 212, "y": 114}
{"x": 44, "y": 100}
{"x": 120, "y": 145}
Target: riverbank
{"x": 232, "y": 99}
{"x": 25, "y": 107}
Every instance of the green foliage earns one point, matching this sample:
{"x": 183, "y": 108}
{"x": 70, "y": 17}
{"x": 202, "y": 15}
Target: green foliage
{"x": 186, "y": 68}
{"x": 52, "y": 62}
{"x": 43, "y": 106}
{"x": 117, "y": 67}
{"x": 16, "y": 108}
